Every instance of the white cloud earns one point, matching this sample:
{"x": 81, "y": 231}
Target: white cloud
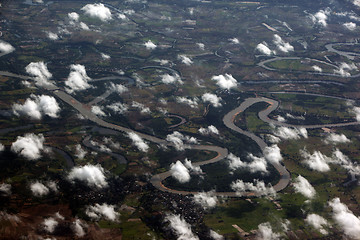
{"x": 264, "y": 49}
{"x": 92, "y": 175}
{"x": 209, "y": 130}
{"x": 303, "y": 186}
{"x": 341, "y": 159}
{"x": 255, "y": 165}
{"x": 193, "y": 103}
{"x": 288, "y": 115}
{"x": 281, "y": 45}
{"x": 185, "y": 60}
{"x": 170, "y": 79}
{"x": 316, "y": 161}
{"x": 181, "y": 228}
{"x": 206, "y": 199}
{"x": 38, "y": 189}
{"x": 265, "y": 232}
{"x": 317, "y": 68}
{"x": 272, "y": 138}
{"x": 320, "y": 17}
{"x": 178, "y": 140}
{"x": 77, "y": 79}
{"x": 201, "y": 46}
{"x": 50, "y": 224}
{"x": 143, "y": 109}
{"x": 212, "y": 98}
{"x": 234, "y": 40}
{"x": 79, "y": 152}
{"x": 5, "y": 189}
{"x": 2, "y": 147}
{"x": 225, "y": 81}
{"x": 350, "y": 26}
{"x": 356, "y": 111}
{"x": 280, "y": 118}
{"x": 52, "y": 36}
{"x": 102, "y": 210}
{"x": 345, "y": 218}
{"x": 52, "y": 186}
{"x": 191, "y": 167}
{"x": 336, "y": 138}
{"x": 118, "y": 107}
{"x": 6, "y": 47}
{"x": 214, "y": 235}
{"x": 36, "y": 106}
{"x": 83, "y": 26}
{"x": 119, "y": 88}
{"x": 40, "y": 73}
{"x": 138, "y": 142}
{"x": 180, "y": 172}
{"x": 290, "y": 133}
{"x": 78, "y": 228}
{"x": 317, "y": 222}
{"x": 150, "y": 45}
{"x": 105, "y": 56}
{"x": 29, "y": 146}
{"x": 242, "y": 188}
{"x": 73, "y": 16}
{"x": 97, "y": 10}
{"x": 273, "y": 154}
{"x": 98, "y": 111}
{"x": 344, "y": 69}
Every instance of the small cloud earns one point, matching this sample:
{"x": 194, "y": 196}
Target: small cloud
{"x": 317, "y": 222}
{"x": 2, "y": 147}
{"x": 212, "y": 98}
{"x": 195, "y": 169}
{"x": 225, "y": 81}
{"x": 52, "y": 36}
{"x": 193, "y": 103}
{"x": 234, "y": 40}
{"x": 280, "y": 118}
{"x": 73, "y": 16}
{"x": 185, "y": 60}
{"x": 5, "y": 189}
{"x": 102, "y": 210}
{"x": 105, "y": 56}
{"x": 180, "y": 227}
{"x": 344, "y": 69}
{"x": 345, "y": 218}
{"x": 336, "y": 138}
{"x": 256, "y": 164}
{"x": 265, "y": 232}
{"x": 40, "y": 73}
{"x": 77, "y": 79}
{"x": 206, "y": 199}
{"x": 78, "y": 228}
{"x": 303, "y": 186}
{"x": 320, "y": 18}
{"x": 29, "y": 146}
{"x": 38, "y": 189}
{"x": 350, "y": 26}
{"x": 98, "y": 111}
{"x": 264, "y": 49}
{"x": 258, "y": 187}
{"x": 180, "y": 172}
{"x": 37, "y": 106}
{"x": 138, "y": 142}
{"x": 316, "y": 161}
{"x": 118, "y": 107}
{"x": 214, "y": 235}
{"x": 317, "y": 68}
{"x": 92, "y": 175}
{"x": 6, "y": 48}
{"x": 209, "y": 130}
{"x": 177, "y": 139}
{"x": 171, "y": 79}
{"x": 97, "y": 10}
{"x": 282, "y": 45}
{"x": 290, "y": 133}
{"x": 201, "y": 46}
{"x": 79, "y": 152}
{"x": 143, "y": 109}
{"x": 50, "y": 224}
{"x": 273, "y": 154}
{"x": 150, "y": 45}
